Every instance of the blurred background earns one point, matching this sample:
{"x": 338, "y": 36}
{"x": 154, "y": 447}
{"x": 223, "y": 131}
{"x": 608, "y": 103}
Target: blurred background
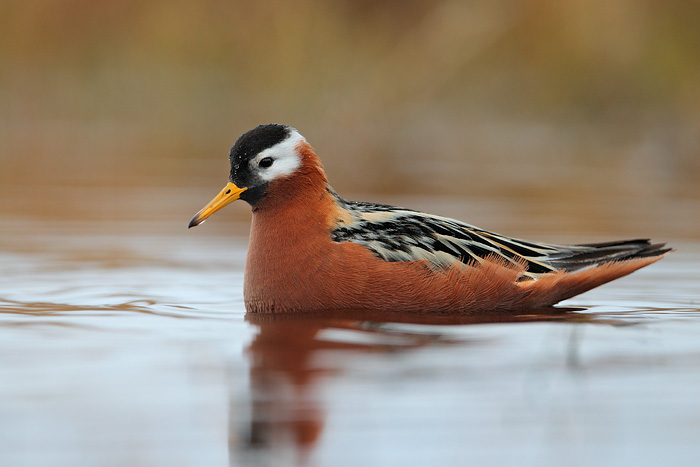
{"x": 583, "y": 112}
{"x": 124, "y": 336}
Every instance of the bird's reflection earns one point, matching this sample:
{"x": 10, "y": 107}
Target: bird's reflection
{"x": 286, "y": 377}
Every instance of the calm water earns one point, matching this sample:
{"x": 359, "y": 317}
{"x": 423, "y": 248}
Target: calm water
{"x": 127, "y": 343}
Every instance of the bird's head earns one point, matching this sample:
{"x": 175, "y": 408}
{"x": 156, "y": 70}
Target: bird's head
{"x": 260, "y": 157}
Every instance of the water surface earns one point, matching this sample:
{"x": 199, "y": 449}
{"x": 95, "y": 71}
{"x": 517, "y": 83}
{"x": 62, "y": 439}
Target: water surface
{"x": 127, "y": 343}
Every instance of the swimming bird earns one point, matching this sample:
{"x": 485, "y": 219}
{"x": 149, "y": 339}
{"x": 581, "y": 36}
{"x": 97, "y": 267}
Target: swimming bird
{"x": 311, "y": 250}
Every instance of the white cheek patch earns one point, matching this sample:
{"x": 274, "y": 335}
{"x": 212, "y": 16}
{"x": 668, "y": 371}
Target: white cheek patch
{"x": 286, "y": 158}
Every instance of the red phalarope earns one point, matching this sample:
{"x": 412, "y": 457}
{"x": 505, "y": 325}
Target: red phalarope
{"x": 311, "y": 250}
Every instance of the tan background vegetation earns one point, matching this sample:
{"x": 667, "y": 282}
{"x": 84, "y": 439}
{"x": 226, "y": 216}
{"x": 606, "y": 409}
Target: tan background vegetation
{"x": 526, "y": 100}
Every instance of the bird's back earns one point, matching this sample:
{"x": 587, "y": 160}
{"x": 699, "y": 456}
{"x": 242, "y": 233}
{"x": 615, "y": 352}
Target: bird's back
{"x": 398, "y": 234}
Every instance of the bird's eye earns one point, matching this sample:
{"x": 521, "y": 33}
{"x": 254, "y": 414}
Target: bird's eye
{"x": 266, "y": 162}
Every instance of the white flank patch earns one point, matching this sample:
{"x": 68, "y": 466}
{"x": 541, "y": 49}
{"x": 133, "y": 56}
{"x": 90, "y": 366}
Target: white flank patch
{"x": 286, "y": 158}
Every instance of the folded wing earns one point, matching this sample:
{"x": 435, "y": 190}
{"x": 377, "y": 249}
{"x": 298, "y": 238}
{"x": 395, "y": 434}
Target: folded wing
{"x": 396, "y": 234}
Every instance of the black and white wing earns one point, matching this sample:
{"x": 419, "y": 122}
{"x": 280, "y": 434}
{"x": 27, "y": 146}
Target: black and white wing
{"x": 397, "y": 234}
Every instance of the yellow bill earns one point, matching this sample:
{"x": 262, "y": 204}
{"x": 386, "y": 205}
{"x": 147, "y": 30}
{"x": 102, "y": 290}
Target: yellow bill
{"x": 228, "y": 195}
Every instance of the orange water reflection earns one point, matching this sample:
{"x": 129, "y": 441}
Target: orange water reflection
{"x": 287, "y": 375}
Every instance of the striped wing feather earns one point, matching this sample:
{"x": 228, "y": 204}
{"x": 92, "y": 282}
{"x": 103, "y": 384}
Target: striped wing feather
{"x": 396, "y": 234}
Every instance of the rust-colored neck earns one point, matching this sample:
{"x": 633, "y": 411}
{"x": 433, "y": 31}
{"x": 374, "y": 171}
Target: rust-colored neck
{"x": 290, "y": 226}
{"x": 302, "y": 190}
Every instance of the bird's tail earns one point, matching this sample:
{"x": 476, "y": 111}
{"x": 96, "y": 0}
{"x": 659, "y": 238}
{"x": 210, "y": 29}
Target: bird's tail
{"x": 595, "y": 254}
{"x": 589, "y": 266}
